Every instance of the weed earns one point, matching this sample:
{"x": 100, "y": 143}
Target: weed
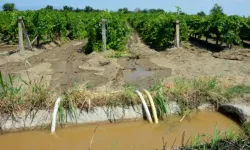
{"x": 10, "y": 95}
{"x": 220, "y": 140}
{"x": 160, "y": 98}
{"x": 160, "y": 104}
{"x": 198, "y": 140}
{"x": 61, "y": 115}
{"x": 216, "y": 137}
{"x": 130, "y": 91}
{"x": 237, "y": 91}
{"x": 246, "y": 129}
{"x": 191, "y": 93}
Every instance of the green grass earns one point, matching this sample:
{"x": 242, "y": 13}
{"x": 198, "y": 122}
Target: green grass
{"x": 10, "y": 95}
{"x": 219, "y": 141}
{"x": 188, "y": 93}
{"x": 237, "y": 91}
{"x": 161, "y": 105}
{"x": 246, "y": 129}
{"x": 191, "y": 93}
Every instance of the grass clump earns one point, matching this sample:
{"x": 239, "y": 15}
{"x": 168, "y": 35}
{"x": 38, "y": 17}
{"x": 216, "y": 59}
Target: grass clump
{"x": 246, "y": 129}
{"x": 220, "y": 140}
{"x": 160, "y": 99}
{"x": 237, "y": 91}
{"x": 14, "y": 99}
{"x": 10, "y": 95}
{"x": 191, "y": 93}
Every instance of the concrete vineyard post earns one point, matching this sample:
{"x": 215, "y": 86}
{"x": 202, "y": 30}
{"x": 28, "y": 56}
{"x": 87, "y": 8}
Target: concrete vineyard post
{"x": 177, "y": 36}
{"x": 104, "y": 34}
{"x": 20, "y": 34}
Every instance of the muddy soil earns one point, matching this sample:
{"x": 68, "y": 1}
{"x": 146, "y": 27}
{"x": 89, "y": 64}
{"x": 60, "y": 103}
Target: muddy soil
{"x": 66, "y": 67}
{"x": 6, "y": 48}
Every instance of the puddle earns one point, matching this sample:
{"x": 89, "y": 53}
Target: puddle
{"x": 136, "y": 74}
{"x": 121, "y": 136}
{"x": 144, "y": 78}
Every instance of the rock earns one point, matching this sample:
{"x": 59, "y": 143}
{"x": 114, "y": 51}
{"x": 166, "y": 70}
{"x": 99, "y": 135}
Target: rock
{"x": 240, "y": 112}
{"x": 174, "y": 108}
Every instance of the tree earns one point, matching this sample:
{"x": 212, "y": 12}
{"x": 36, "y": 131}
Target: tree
{"x": 88, "y": 9}
{"x": 78, "y": 10}
{"x": 156, "y": 10}
{"x": 144, "y": 11}
{"x": 201, "y": 13}
{"x": 49, "y": 7}
{"x": 217, "y": 10}
{"x": 124, "y": 10}
{"x": 9, "y": 7}
{"x": 68, "y": 8}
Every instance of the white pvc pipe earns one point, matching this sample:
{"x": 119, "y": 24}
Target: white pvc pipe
{"x": 152, "y": 106}
{"x": 144, "y": 106}
{"x": 53, "y": 126}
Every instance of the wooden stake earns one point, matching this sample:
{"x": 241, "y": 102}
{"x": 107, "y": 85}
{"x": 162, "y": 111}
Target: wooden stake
{"x": 20, "y": 34}
{"x": 177, "y": 34}
{"x": 104, "y": 34}
{"x": 27, "y": 36}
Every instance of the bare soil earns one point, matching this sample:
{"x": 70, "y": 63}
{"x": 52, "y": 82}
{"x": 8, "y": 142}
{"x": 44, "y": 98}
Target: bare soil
{"x": 65, "y": 67}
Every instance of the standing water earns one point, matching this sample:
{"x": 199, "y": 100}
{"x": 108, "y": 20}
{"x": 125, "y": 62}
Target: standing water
{"x": 121, "y": 136}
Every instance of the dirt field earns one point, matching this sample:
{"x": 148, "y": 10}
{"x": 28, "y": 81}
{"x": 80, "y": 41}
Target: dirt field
{"x": 66, "y": 67}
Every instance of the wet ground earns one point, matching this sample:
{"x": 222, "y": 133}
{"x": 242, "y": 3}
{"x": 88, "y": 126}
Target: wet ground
{"x": 65, "y": 67}
{"x": 121, "y": 136}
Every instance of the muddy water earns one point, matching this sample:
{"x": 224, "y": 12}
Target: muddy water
{"x": 144, "y": 77}
{"x": 138, "y": 73}
{"x": 121, "y": 136}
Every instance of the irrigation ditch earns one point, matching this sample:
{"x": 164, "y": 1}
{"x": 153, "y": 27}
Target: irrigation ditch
{"x": 28, "y": 120}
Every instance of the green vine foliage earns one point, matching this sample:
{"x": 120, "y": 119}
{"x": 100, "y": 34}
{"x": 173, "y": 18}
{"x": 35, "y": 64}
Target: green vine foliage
{"x": 227, "y": 29}
{"x": 47, "y": 24}
{"x": 8, "y": 26}
{"x": 245, "y": 30}
{"x": 158, "y": 29}
{"x": 117, "y": 32}
{"x": 78, "y": 23}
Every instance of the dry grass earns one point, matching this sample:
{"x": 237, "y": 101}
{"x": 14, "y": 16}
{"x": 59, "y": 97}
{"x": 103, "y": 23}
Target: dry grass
{"x": 189, "y": 94}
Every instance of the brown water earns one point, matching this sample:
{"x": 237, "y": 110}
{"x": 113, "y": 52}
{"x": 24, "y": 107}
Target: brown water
{"x": 121, "y": 136}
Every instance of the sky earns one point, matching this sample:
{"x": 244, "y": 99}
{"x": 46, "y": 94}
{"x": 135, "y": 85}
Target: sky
{"x": 231, "y": 7}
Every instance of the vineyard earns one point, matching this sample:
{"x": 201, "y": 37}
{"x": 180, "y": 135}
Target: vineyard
{"x": 157, "y": 29}
{"x": 93, "y": 58}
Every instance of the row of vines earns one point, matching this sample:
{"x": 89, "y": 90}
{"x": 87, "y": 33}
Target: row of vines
{"x": 49, "y": 25}
{"x": 156, "y": 29}
{"x": 226, "y": 29}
